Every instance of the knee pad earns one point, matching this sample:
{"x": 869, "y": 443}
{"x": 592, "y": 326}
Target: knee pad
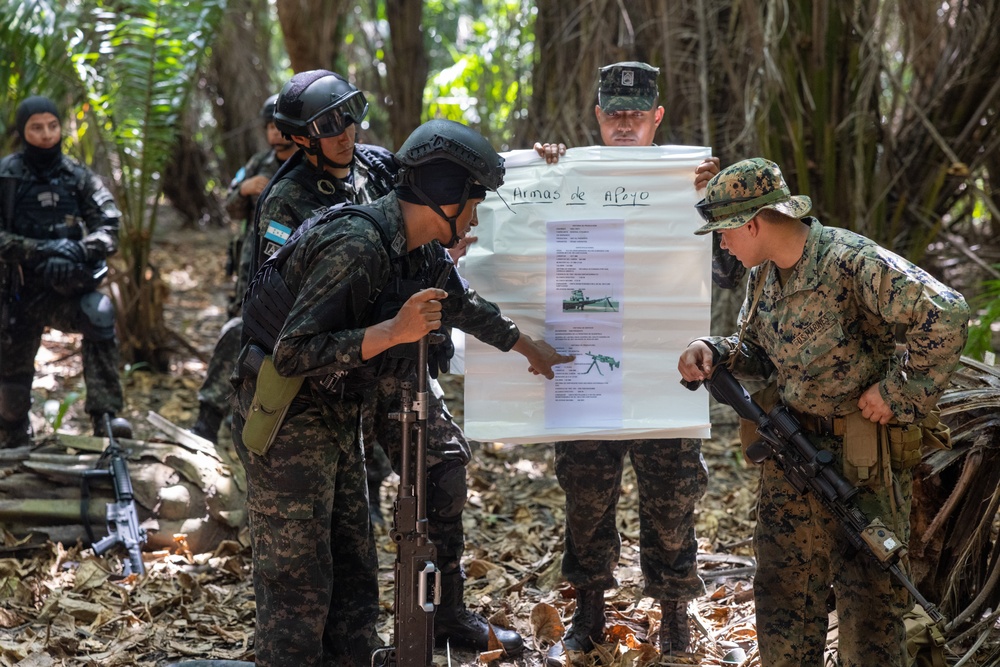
{"x": 15, "y": 402}
{"x": 98, "y": 317}
{"x": 446, "y": 491}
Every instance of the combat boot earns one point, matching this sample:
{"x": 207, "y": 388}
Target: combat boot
{"x": 120, "y": 427}
{"x": 675, "y": 635}
{"x": 455, "y": 623}
{"x": 208, "y": 423}
{"x": 15, "y": 434}
{"x": 586, "y": 628}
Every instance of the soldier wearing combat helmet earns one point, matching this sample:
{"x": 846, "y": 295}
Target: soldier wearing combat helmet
{"x": 339, "y": 279}
{"x": 820, "y": 322}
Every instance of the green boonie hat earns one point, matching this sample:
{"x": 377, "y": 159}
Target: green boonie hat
{"x": 739, "y": 191}
{"x": 627, "y": 86}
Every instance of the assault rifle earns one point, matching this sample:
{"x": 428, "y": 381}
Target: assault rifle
{"x": 417, "y": 579}
{"x": 810, "y": 469}
{"x": 123, "y": 522}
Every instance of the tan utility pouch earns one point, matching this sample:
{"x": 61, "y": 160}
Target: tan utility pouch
{"x": 905, "y": 441}
{"x": 936, "y": 433}
{"x": 860, "y": 449}
{"x": 766, "y": 398}
{"x": 271, "y": 399}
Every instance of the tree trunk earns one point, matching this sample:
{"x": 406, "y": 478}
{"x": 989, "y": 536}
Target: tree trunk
{"x": 407, "y": 67}
{"x": 238, "y": 82}
{"x": 186, "y": 177}
{"x": 312, "y": 31}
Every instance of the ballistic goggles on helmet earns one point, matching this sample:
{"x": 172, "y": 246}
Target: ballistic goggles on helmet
{"x": 332, "y": 121}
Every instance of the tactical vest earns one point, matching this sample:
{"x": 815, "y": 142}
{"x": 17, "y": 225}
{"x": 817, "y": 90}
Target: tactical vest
{"x": 47, "y": 208}
{"x": 268, "y": 302}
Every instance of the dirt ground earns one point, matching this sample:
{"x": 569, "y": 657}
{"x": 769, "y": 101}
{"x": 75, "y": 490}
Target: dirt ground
{"x": 59, "y": 606}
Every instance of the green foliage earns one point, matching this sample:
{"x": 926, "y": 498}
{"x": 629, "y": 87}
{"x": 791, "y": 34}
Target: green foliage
{"x": 33, "y": 58}
{"x": 138, "y": 61}
{"x": 981, "y": 330}
{"x": 484, "y": 59}
{"x": 55, "y": 417}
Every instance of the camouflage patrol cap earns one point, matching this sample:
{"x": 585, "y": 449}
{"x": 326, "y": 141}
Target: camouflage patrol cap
{"x": 738, "y": 192}
{"x": 627, "y": 86}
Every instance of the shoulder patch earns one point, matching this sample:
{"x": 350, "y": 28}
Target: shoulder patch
{"x": 277, "y": 232}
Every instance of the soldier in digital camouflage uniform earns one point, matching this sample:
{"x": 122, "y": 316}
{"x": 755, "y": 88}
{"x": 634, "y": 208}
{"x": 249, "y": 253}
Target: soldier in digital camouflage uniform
{"x": 315, "y": 568}
{"x": 241, "y": 202}
{"x": 824, "y": 329}
{"x": 58, "y": 224}
{"x": 292, "y": 198}
{"x": 671, "y": 473}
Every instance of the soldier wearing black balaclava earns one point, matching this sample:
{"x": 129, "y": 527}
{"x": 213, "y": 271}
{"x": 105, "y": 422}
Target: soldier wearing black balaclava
{"x": 58, "y": 224}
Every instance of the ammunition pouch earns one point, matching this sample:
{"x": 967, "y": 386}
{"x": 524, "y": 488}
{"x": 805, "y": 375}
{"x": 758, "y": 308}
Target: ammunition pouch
{"x": 905, "y": 442}
{"x": 272, "y": 396}
{"x": 861, "y": 449}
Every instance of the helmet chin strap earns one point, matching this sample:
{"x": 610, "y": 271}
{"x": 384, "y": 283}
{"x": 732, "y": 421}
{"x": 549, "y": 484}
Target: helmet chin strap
{"x": 451, "y": 219}
{"x": 322, "y": 160}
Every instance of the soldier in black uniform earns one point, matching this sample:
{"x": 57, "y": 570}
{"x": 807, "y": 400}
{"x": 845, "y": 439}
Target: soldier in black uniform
{"x": 241, "y": 203}
{"x": 59, "y": 224}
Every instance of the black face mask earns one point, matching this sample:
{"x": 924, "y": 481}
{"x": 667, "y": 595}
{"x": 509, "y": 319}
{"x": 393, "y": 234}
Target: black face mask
{"x": 42, "y": 160}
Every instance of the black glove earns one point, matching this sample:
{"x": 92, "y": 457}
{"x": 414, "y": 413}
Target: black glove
{"x": 64, "y": 248}
{"x": 439, "y": 356}
{"x": 58, "y": 270}
{"x": 99, "y": 244}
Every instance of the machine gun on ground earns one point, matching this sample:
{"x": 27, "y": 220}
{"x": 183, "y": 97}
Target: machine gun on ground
{"x": 809, "y": 468}
{"x": 123, "y": 522}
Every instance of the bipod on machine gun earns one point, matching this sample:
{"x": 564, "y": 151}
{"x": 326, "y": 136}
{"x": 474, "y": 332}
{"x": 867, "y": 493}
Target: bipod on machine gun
{"x": 417, "y": 579}
{"x": 810, "y": 469}
{"x": 123, "y": 522}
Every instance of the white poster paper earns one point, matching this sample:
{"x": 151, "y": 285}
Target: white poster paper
{"x": 630, "y": 333}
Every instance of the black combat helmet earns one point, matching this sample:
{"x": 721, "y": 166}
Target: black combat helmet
{"x": 447, "y": 140}
{"x": 267, "y": 109}
{"x": 318, "y": 104}
{"x": 444, "y": 162}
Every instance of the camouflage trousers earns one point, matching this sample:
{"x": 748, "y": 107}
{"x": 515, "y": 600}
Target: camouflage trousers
{"x": 800, "y": 552}
{"x": 217, "y": 388}
{"x": 448, "y": 453}
{"x": 671, "y": 476}
{"x": 19, "y": 347}
{"x": 314, "y": 562}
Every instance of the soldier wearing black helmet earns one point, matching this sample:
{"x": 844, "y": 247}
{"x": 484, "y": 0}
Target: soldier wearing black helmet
{"x": 58, "y": 224}
{"x": 241, "y": 202}
{"x": 315, "y": 568}
{"x": 319, "y": 110}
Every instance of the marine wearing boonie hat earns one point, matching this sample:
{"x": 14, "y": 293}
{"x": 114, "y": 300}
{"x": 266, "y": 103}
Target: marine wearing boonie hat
{"x": 627, "y": 86}
{"x": 737, "y": 193}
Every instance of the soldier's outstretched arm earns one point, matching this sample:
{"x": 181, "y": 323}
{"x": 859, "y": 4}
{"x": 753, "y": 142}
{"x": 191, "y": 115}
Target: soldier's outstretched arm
{"x": 540, "y": 355}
